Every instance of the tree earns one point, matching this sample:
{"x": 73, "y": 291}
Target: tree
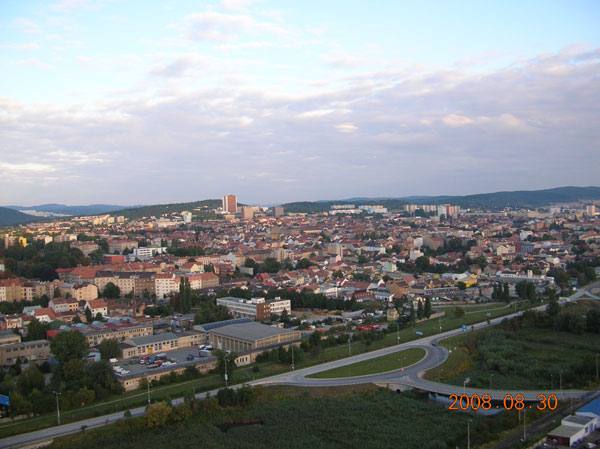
{"x": 36, "y": 330}
{"x": 251, "y": 263}
{"x": 88, "y": 315}
{"x": 30, "y": 379}
{"x": 420, "y": 310}
{"x": 69, "y": 345}
{"x": 185, "y": 295}
{"x": 303, "y": 263}
{"x": 427, "y": 309}
{"x": 158, "y": 414}
{"x": 270, "y": 265}
{"x": 412, "y": 314}
{"x": 109, "y": 349}
{"x": 225, "y": 362}
{"x": 459, "y": 312}
{"x": 461, "y": 285}
{"x": 553, "y": 308}
{"x": 111, "y": 291}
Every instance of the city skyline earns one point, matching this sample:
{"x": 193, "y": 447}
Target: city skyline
{"x": 109, "y": 102}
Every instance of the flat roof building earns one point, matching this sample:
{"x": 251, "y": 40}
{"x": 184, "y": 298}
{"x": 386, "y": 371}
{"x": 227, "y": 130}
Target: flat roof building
{"x": 250, "y": 337}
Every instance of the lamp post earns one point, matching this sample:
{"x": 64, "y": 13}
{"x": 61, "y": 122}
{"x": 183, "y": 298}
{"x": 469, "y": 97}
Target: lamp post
{"x": 524, "y": 428}
{"x": 148, "y": 389}
{"x": 469, "y": 434}
{"x": 226, "y": 377}
{"x": 57, "y": 394}
{"x": 466, "y": 381}
{"x": 349, "y": 344}
{"x": 292, "y": 357}
{"x": 560, "y": 382}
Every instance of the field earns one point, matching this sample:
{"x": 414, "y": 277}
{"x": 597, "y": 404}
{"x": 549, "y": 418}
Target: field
{"x": 377, "y": 365}
{"x": 290, "y": 418}
{"x": 525, "y": 358}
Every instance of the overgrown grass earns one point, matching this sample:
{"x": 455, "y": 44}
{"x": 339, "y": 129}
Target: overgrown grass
{"x": 300, "y": 418}
{"x": 377, "y": 365}
{"x": 525, "y": 358}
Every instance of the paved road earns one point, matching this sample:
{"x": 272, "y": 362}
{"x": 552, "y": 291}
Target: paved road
{"x": 411, "y": 376}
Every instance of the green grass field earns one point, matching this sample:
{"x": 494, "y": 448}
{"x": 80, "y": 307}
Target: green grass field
{"x": 377, "y": 365}
{"x": 526, "y": 358}
{"x": 290, "y": 418}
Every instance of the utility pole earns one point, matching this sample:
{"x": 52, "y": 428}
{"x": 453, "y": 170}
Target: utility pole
{"x": 57, "y": 394}
{"x": 524, "y": 431}
{"x": 226, "y": 378}
{"x": 560, "y": 383}
{"x": 469, "y": 434}
{"x": 292, "y": 357}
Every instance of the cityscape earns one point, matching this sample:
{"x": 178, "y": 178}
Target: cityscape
{"x": 253, "y": 224}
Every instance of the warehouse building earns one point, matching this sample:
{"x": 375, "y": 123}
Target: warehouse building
{"x": 251, "y": 337}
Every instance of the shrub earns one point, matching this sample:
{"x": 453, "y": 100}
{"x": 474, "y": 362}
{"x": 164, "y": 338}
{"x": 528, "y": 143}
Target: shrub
{"x": 158, "y": 414}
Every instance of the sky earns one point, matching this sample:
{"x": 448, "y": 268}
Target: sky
{"x": 145, "y": 102}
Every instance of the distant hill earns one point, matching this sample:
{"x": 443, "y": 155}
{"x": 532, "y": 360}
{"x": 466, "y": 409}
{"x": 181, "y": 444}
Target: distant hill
{"x": 489, "y": 201}
{"x": 517, "y": 199}
{"x": 157, "y": 210}
{"x": 62, "y": 209}
{"x": 10, "y": 217}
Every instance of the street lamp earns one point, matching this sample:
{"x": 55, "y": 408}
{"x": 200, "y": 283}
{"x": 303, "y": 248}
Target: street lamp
{"x": 292, "y": 357}
{"x": 148, "y": 390}
{"x": 57, "y": 394}
{"x": 469, "y": 434}
{"x": 466, "y": 381}
{"x": 524, "y": 428}
{"x": 226, "y": 377}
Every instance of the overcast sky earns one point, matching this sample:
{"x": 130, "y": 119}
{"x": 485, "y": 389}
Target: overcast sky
{"x": 133, "y": 102}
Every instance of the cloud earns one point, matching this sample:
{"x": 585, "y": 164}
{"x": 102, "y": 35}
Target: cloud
{"x": 28, "y": 167}
{"x": 457, "y": 120}
{"x": 26, "y": 25}
{"x": 26, "y": 46}
{"x": 391, "y": 132}
{"x": 218, "y": 26}
{"x": 179, "y": 66}
{"x": 34, "y": 62}
{"x": 347, "y": 128}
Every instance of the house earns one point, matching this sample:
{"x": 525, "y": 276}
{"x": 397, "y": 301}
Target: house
{"x": 44, "y": 315}
{"x": 572, "y": 430}
{"x": 97, "y": 306}
{"x": 62, "y": 305}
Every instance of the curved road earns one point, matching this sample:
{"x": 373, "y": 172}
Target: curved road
{"x": 411, "y": 376}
